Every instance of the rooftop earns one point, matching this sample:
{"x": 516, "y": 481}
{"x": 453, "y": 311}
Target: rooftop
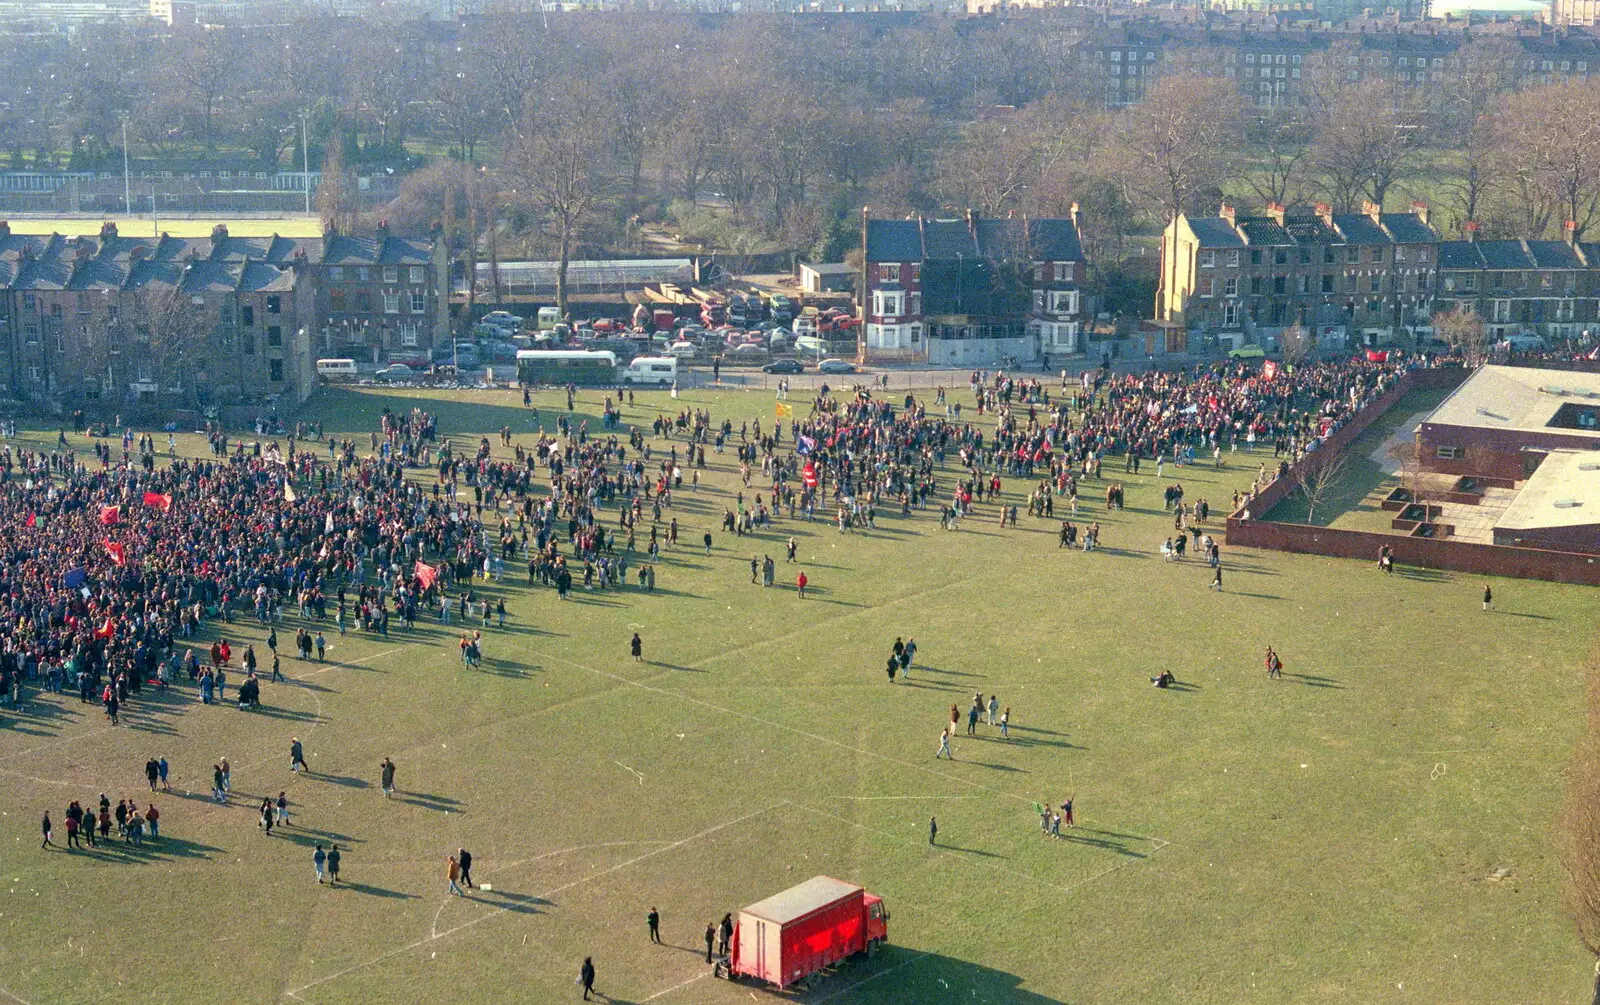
{"x": 799, "y": 901}
{"x": 1519, "y": 397}
{"x": 1563, "y": 492}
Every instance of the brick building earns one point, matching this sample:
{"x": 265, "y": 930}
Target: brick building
{"x": 112, "y": 320}
{"x": 1341, "y": 275}
{"x": 1522, "y": 287}
{"x": 970, "y": 290}
{"x": 1502, "y": 421}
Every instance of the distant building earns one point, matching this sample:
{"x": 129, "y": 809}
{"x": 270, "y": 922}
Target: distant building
{"x": 1521, "y": 287}
{"x": 826, "y": 277}
{"x": 970, "y": 290}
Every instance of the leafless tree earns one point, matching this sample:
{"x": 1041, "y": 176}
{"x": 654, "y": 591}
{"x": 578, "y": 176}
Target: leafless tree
{"x": 1317, "y": 476}
{"x": 1555, "y": 131}
{"x": 172, "y": 333}
{"x": 1463, "y": 330}
{"x": 1297, "y": 344}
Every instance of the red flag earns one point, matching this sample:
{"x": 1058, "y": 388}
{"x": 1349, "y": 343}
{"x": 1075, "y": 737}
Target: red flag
{"x": 106, "y": 630}
{"x": 119, "y": 554}
{"x": 427, "y": 575}
{"x": 1377, "y": 355}
{"x": 1269, "y": 369}
{"x": 158, "y": 500}
{"x": 810, "y": 475}
{"x": 110, "y": 514}
{"x": 32, "y": 521}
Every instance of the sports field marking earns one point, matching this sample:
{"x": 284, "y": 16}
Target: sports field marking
{"x": 12, "y": 997}
{"x": 682, "y": 984}
{"x": 57, "y": 742}
{"x": 543, "y": 895}
{"x": 636, "y": 774}
{"x": 778, "y": 725}
{"x": 524, "y": 861}
{"x": 873, "y": 798}
{"x": 868, "y": 980}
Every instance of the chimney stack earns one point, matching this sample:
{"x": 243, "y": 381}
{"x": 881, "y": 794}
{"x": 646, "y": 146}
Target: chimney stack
{"x": 1275, "y": 212}
{"x": 1372, "y": 210}
{"x": 1072, "y": 211}
{"x": 1569, "y": 231}
{"x": 1470, "y": 228}
{"x": 5, "y": 228}
{"x": 219, "y": 232}
{"x": 108, "y": 230}
{"x": 1227, "y": 213}
{"x": 1325, "y": 214}
{"x": 1421, "y": 211}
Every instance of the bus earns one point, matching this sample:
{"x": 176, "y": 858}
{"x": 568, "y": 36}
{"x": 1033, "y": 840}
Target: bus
{"x": 565, "y": 366}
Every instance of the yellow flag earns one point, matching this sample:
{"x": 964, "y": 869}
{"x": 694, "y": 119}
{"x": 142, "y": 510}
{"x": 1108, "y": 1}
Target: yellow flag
{"x": 784, "y": 411}
{"x": 288, "y": 493}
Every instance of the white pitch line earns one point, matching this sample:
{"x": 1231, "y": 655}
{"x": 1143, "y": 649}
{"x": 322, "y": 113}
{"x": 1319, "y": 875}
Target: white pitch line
{"x": 684, "y": 984}
{"x": 57, "y": 742}
{"x": 872, "y": 798}
{"x": 868, "y": 980}
{"x": 624, "y": 767}
{"x": 295, "y": 993}
{"x": 19, "y": 1001}
{"x": 778, "y": 725}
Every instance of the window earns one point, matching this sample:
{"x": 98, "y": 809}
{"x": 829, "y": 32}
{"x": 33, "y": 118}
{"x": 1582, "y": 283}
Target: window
{"x": 33, "y": 373}
{"x": 1327, "y": 256}
{"x": 363, "y": 274}
{"x": 1303, "y": 285}
{"x": 274, "y": 337}
{"x": 29, "y": 302}
{"x": 1255, "y": 286}
{"x": 30, "y": 334}
{"x": 1280, "y": 257}
{"x": 1230, "y": 286}
{"x": 1400, "y": 254}
{"x": 1352, "y": 256}
{"x": 1422, "y": 282}
{"x": 889, "y": 272}
{"x": 419, "y": 302}
{"x": 1064, "y": 272}
{"x": 1255, "y": 256}
{"x": 1327, "y": 284}
{"x": 391, "y": 274}
{"x": 336, "y": 273}
{"x": 364, "y": 301}
{"x": 1233, "y": 259}
{"x": 1278, "y": 285}
{"x": 1374, "y": 306}
{"x": 916, "y": 272}
{"x": 419, "y": 275}
{"x": 248, "y": 343}
{"x": 1305, "y": 256}
{"x": 1546, "y": 280}
{"x": 225, "y": 313}
{"x": 1469, "y": 282}
{"x": 1500, "y": 311}
{"x": 1230, "y": 312}
{"x": 247, "y": 315}
{"x": 1375, "y": 283}
{"x": 83, "y": 303}
{"x": 1063, "y": 302}
{"x": 914, "y": 302}
{"x": 275, "y": 370}
{"x": 1423, "y": 254}
{"x": 336, "y": 301}
{"x": 1448, "y": 453}
{"x": 391, "y": 301}
{"x": 274, "y": 304}
{"x": 916, "y": 334}
{"x": 408, "y": 333}
{"x": 1377, "y": 256}
{"x": 886, "y": 303}
{"x": 1208, "y": 260}
{"x": 1207, "y": 287}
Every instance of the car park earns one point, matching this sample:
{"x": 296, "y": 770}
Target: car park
{"x": 784, "y": 366}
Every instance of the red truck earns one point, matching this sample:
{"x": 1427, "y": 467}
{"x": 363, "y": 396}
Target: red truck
{"x": 792, "y": 935}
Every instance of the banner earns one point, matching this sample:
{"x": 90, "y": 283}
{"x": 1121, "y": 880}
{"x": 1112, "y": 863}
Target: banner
{"x": 106, "y": 630}
{"x": 784, "y": 411}
{"x": 805, "y": 445}
{"x": 158, "y": 500}
{"x": 118, "y": 553}
{"x": 1377, "y": 355}
{"x": 427, "y": 575}
{"x": 74, "y": 578}
{"x": 1269, "y": 369}
{"x": 809, "y": 474}
{"x": 110, "y": 514}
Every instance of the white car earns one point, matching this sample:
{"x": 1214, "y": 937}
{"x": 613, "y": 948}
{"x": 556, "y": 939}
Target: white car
{"x": 836, "y": 366}
{"x": 682, "y": 350}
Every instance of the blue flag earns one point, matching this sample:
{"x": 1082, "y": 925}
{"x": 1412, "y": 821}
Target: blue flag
{"x": 805, "y": 445}
{"x": 74, "y": 578}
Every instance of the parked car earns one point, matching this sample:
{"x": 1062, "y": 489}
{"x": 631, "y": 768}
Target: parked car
{"x": 395, "y": 373}
{"x": 1247, "y": 352}
{"x": 746, "y": 353}
{"x": 501, "y": 352}
{"x": 784, "y": 366}
{"x": 836, "y": 365}
{"x": 683, "y": 350}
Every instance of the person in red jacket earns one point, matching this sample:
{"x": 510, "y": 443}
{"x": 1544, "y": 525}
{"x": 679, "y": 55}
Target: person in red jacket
{"x": 800, "y": 582}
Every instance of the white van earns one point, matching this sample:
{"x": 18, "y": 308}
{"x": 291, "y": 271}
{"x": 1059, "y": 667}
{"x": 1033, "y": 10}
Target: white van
{"x": 549, "y": 317}
{"x": 336, "y": 369}
{"x": 662, "y": 370}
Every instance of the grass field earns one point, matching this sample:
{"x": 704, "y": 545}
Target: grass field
{"x": 1329, "y": 837}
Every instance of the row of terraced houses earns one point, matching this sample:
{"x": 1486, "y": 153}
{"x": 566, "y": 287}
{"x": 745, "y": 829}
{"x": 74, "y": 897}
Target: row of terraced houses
{"x": 120, "y": 320}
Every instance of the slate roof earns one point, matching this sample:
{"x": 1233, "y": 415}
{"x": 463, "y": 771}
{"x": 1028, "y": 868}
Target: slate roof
{"x": 1055, "y": 239}
{"x": 1358, "y": 229}
{"x": 1504, "y": 255}
{"x": 1407, "y": 228}
{"x": 1214, "y": 232}
{"x": 1263, "y": 231}
{"x": 1459, "y": 255}
{"x": 893, "y": 241}
{"x": 948, "y": 239}
{"x": 1554, "y": 255}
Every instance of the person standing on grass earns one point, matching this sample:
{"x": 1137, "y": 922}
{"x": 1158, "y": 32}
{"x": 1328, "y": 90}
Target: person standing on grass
{"x": 955, "y": 718}
{"x": 708, "y": 542}
{"x": 453, "y": 873}
{"x": 1488, "y": 598}
{"x": 322, "y": 647}
{"x": 152, "y": 771}
{"x": 1066, "y": 811}
{"x": 319, "y": 862}
{"x": 1216, "y": 578}
{"x": 586, "y": 976}
{"x": 994, "y": 707}
{"x": 153, "y": 817}
{"x": 1005, "y": 723}
{"x": 297, "y": 756}
{"x": 44, "y": 827}
{"x": 464, "y": 859}
{"x": 653, "y": 919}
{"x": 266, "y": 815}
{"x": 333, "y": 865}
{"x": 894, "y": 664}
{"x": 972, "y": 716}
{"x": 637, "y": 648}
{"x": 933, "y": 830}
{"x": 386, "y": 777}
{"x": 161, "y": 771}
{"x": 906, "y": 656}
{"x": 711, "y": 939}
{"x": 282, "y": 806}
{"x": 725, "y": 934}
{"x": 800, "y": 582}
{"x": 944, "y": 746}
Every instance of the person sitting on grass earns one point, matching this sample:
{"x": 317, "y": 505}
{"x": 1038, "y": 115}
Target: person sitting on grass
{"x": 1164, "y": 679}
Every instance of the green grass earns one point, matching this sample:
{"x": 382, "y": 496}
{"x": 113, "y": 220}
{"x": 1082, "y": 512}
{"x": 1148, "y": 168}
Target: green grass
{"x": 1324, "y": 838}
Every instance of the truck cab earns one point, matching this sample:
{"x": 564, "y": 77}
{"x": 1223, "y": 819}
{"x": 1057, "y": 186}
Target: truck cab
{"x": 877, "y": 921}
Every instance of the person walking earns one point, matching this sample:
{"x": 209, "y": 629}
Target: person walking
{"x": 653, "y": 919}
{"x": 1488, "y": 598}
{"x": 297, "y": 756}
{"x": 45, "y": 828}
{"x": 277, "y": 669}
{"x": 282, "y": 806}
{"x": 319, "y": 862}
{"x": 264, "y": 815}
{"x": 933, "y": 830}
{"x": 453, "y": 873}
{"x": 905, "y": 658}
{"x": 944, "y": 746}
{"x": 464, "y": 859}
{"x": 152, "y": 771}
{"x": 161, "y": 770}
{"x": 386, "y": 777}
{"x": 333, "y": 866}
{"x": 893, "y": 665}
{"x": 1216, "y": 578}
{"x": 711, "y": 939}
{"x": 636, "y": 646}
{"x": 586, "y": 976}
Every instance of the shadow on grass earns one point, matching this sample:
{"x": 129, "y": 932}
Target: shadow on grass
{"x": 953, "y": 673}
{"x": 1311, "y": 680}
{"x": 429, "y": 802}
{"x": 903, "y": 974}
{"x": 377, "y": 891}
{"x": 150, "y": 850}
